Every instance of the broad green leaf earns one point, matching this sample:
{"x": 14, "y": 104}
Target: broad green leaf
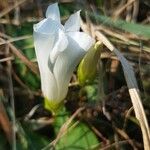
{"x": 78, "y": 138}
{"x": 61, "y": 116}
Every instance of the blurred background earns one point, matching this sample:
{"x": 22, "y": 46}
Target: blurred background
{"x": 107, "y": 120}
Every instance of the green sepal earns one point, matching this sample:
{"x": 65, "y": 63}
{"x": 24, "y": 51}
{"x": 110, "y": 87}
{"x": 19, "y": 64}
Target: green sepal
{"x": 88, "y": 66}
{"x": 52, "y": 105}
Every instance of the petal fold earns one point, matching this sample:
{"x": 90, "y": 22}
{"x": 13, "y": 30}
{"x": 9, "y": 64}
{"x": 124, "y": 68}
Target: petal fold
{"x": 61, "y": 43}
{"x": 47, "y": 26}
{"x": 66, "y": 63}
{"x": 82, "y": 39}
{"x": 73, "y": 23}
{"x": 53, "y": 12}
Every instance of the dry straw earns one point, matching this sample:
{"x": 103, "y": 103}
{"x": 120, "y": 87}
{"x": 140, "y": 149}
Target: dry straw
{"x": 133, "y": 90}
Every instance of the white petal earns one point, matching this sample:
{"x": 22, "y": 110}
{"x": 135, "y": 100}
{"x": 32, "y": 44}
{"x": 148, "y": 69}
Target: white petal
{"x": 49, "y": 86}
{"x": 53, "y": 12}
{"x": 45, "y": 34}
{"x": 48, "y": 82}
{"x": 82, "y": 39}
{"x": 61, "y": 43}
{"x": 73, "y": 23}
{"x": 43, "y": 42}
{"x": 47, "y": 26}
{"x": 66, "y": 63}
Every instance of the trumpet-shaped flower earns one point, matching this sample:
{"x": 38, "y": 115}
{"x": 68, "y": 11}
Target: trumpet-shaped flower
{"x": 59, "y": 49}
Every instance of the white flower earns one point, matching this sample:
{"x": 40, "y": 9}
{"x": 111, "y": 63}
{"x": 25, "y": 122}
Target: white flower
{"x": 59, "y": 49}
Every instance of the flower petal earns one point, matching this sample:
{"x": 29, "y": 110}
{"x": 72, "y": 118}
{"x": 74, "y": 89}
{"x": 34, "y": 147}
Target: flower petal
{"x": 48, "y": 82}
{"x": 67, "y": 61}
{"x": 73, "y": 23}
{"x": 53, "y": 12}
{"x": 49, "y": 86}
{"x": 61, "y": 43}
{"x": 82, "y": 39}
{"x": 47, "y": 26}
{"x": 47, "y": 33}
{"x": 44, "y": 38}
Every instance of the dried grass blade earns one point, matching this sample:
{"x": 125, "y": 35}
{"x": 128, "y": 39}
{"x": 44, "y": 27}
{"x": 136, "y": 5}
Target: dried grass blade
{"x": 133, "y": 90}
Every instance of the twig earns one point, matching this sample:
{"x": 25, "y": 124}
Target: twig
{"x": 128, "y": 13}
{"x": 135, "y": 10}
{"x": 5, "y": 123}
{"x": 110, "y": 146}
{"x": 126, "y": 137}
{"x": 118, "y": 12}
{"x": 24, "y": 59}
{"x": 12, "y": 102}
{"x": 99, "y": 134}
{"x": 16, "y": 39}
{"x": 6, "y": 59}
{"x": 10, "y": 8}
{"x": 19, "y": 80}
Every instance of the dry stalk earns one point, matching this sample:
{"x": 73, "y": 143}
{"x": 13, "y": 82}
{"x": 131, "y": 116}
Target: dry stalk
{"x": 133, "y": 90}
{"x": 21, "y": 56}
{"x": 126, "y": 137}
{"x": 118, "y": 12}
{"x": 5, "y": 122}
{"x": 16, "y": 39}
{"x": 135, "y": 10}
{"x": 7, "y": 59}
{"x": 111, "y": 146}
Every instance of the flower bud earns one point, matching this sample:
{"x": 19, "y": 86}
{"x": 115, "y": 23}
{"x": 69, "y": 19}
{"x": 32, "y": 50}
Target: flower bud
{"x": 88, "y": 66}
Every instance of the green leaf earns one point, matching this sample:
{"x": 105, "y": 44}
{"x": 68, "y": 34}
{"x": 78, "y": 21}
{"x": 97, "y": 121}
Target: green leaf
{"x": 78, "y": 137}
{"x": 138, "y": 29}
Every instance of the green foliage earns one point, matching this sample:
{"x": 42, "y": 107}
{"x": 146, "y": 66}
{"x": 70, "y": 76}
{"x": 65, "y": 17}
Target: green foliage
{"x": 91, "y": 92}
{"x": 77, "y": 137}
{"x": 30, "y": 79}
{"x": 99, "y": 3}
{"x": 31, "y": 141}
{"x": 26, "y": 75}
{"x": 138, "y": 29}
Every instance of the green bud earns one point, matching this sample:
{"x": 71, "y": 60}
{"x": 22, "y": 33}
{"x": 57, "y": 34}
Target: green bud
{"x": 88, "y": 66}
